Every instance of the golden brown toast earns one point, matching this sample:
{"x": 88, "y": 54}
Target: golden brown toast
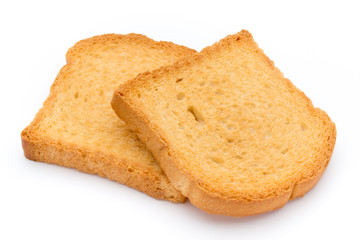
{"x": 230, "y": 132}
{"x": 76, "y": 126}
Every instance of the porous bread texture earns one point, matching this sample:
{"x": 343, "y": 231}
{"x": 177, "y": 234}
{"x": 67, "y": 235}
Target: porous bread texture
{"x": 231, "y": 133}
{"x": 76, "y": 126}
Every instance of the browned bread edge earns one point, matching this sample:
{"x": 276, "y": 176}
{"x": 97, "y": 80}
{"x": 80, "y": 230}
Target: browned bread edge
{"x": 87, "y": 161}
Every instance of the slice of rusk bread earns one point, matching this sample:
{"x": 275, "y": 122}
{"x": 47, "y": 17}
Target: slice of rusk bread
{"x": 76, "y": 126}
{"x": 230, "y": 132}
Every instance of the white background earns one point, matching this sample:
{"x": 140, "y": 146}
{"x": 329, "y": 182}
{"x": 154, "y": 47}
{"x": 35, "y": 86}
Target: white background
{"x": 315, "y": 43}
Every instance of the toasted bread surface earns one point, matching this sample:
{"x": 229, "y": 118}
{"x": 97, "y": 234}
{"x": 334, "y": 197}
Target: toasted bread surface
{"x": 76, "y": 126}
{"x": 231, "y": 133}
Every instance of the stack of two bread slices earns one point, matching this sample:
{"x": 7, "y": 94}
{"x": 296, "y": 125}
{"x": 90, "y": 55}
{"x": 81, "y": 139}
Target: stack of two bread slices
{"x": 229, "y": 131}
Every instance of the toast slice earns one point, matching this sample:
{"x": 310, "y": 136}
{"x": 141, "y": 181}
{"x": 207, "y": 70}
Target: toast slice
{"x": 76, "y": 126}
{"x": 230, "y": 132}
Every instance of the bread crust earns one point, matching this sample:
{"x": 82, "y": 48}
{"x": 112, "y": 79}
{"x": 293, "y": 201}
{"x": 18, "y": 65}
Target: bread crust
{"x": 96, "y": 162}
{"x": 44, "y": 149}
{"x": 211, "y": 200}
